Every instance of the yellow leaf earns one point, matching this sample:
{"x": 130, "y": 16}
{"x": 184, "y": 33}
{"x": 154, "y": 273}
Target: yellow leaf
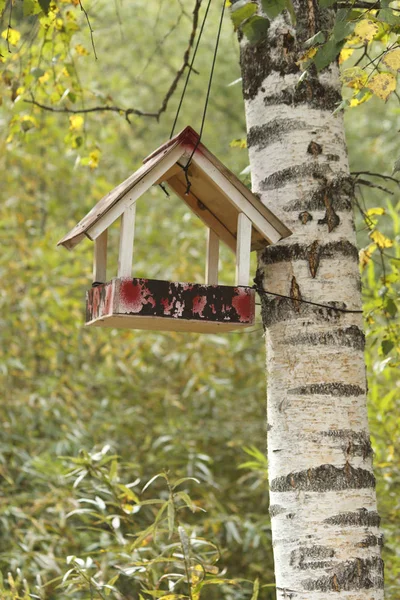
{"x": 356, "y": 101}
{"x": 381, "y": 240}
{"x": 94, "y": 158}
{"x": 81, "y": 50}
{"x": 355, "y": 77}
{"x": 392, "y": 59}
{"x": 44, "y": 78}
{"x": 306, "y": 57}
{"x": 366, "y": 30}
{"x": 345, "y": 54}
{"x": 382, "y": 84}
{"x": 365, "y": 255}
{"x": 12, "y": 35}
{"x": 239, "y": 143}
{"x": 76, "y": 123}
{"x": 375, "y": 211}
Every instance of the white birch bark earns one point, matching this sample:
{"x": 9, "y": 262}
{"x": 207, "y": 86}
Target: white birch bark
{"x": 325, "y": 524}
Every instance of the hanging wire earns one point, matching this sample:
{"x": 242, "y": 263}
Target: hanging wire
{"x": 262, "y": 291}
{"x": 188, "y": 183}
{"x": 190, "y": 69}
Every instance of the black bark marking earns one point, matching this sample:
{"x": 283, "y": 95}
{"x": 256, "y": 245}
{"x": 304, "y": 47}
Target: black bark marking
{"x": 355, "y": 443}
{"x": 333, "y": 157}
{"x": 331, "y": 218}
{"x": 277, "y": 310}
{"x": 358, "y": 574}
{"x": 314, "y": 149}
{"x": 325, "y": 478}
{"x": 305, "y": 217}
{"x": 313, "y": 557}
{"x": 274, "y": 131}
{"x": 295, "y": 293}
{"x": 288, "y": 253}
{"x": 313, "y": 93}
{"x": 370, "y": 541}
{"x": 297, "y": 173}
{"x": 328, "y": 389}
{"x": 276, "y": 509}
{"x": 340, "y": 190}
{"x": 313, "y": 258}
{"x": 360, "y": 518}
{"x": 350, "y": 337}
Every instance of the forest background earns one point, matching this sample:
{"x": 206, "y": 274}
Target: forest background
{"x": 89, "y": 417}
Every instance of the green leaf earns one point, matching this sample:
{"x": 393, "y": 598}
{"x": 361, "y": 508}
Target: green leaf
{"x": 318, "y": 38}
{"x": 44, "y": 5}
{"x": 273, "y": 8}
{"x": 327, "y": 53}
{"x": 255, "y": 29}
{"x": 171, "y": 517}
{"x": 256, "y": 589}
{"x": 391, "y": 307}
{"x": 242, "y": 13}
{"x": 326, "y": 3}
{"x": 387, "y": 346}
{"x": 342, "y": 30}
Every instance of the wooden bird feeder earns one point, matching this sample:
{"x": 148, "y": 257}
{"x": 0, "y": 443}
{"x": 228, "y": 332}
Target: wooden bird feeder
{"x": 230, "y": 211}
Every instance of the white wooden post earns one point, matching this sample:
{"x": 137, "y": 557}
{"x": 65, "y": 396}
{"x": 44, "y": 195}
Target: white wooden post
{"x": 212, "y": 258}
{"x": 100, "y": 259}
{"x": 127, "y": 236}
{"x": 243, "y": 249}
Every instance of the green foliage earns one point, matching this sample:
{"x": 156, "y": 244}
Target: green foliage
{"x": 182, "y": 406}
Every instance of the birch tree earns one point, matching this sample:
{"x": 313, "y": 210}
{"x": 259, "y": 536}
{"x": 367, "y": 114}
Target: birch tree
{"x": 325, "y": 524}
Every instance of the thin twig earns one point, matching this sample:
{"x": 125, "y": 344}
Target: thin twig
{"x": 388, "y": 177}
{"x": 90, "y": 27}
{"x": 373, "y": 185}
{"x": 9, "y": 26}
{"x": 134, "y": 111}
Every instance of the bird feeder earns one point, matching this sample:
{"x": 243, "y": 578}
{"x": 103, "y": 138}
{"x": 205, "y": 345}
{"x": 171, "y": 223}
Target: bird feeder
{"x": 232, "y": 215}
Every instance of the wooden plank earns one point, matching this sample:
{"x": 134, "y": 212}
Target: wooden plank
{"x": 237, "y": 198}
{"x": 212, "y": 258}
{"x": 126, "y": 239}
{"x": 243, "y": 250}
{"x": 139, "y": 181}
{"x": 100, "y": 259}
{"x": 164, "y": 324}
{"x": 204, "y": 215}
{"x": 244, "y": 190}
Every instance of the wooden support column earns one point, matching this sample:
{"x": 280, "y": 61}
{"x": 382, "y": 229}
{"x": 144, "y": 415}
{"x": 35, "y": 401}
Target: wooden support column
{"x": 212, "y": 258}
{"x": 243, "y": 249}
{"x": 100, "y": 259}
{"x": 126, "y": 239}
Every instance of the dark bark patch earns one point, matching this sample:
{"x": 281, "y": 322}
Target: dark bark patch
{"x": 359, "y": 518}
{"x": 295, "y": 294}
{"x": 276, "y": 509}
{"x": 331, "y": 218}
{"x": 340, "y": 191}
{"x": 297, "y": 173}
{"x": 358, "y": 574}
{"x": 313, "y": 258}
{"x": 277, "y": 310}
{"x": 333, "y": 157}
{"x": 305, "y": 217}
{"x": 313, "y": 93}
{"x": 313, "y": 557}
{"x": 328, "y": 389}
{"x": 264, "y": 135}
{"x": 324, "y": 479}
{"x": 288, "y": 253}
{"x": 354, "y": 443}
{"x": 371, "y": 541}
{"x": 314, "y": 149}
{"x": 350, "y": 337}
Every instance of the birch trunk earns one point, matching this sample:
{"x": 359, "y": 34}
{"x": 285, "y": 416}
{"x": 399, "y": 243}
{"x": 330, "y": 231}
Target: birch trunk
{"x": 325, "y": 524}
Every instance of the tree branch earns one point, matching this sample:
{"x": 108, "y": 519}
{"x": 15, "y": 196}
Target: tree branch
{"x": 387, "y": 177}
{"x": 373, "y": 185}
{"x": 134, "y": 111}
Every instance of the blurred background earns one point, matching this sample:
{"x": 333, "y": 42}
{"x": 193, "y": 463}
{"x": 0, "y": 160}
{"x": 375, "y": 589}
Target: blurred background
{"x": 90, "y": 416}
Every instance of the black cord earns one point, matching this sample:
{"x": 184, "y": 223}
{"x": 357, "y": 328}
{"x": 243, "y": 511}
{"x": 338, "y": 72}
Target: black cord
{"x": 190, "y": 69}
{"x": 268, "y": 293}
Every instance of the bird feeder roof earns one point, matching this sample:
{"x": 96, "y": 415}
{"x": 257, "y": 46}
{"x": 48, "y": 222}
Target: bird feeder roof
{"x": 216, "y": 195}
